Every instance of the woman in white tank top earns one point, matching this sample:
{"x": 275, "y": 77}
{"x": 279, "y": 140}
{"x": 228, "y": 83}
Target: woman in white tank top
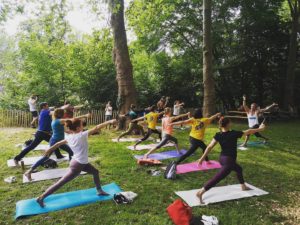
{"x": 252, "y": 115}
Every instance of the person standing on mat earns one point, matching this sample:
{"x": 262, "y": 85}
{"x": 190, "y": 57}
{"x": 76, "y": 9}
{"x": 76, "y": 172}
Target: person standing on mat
{"x": 162, "y": 103}
{"x": 58, "y": 135}
{"x": 43, "y": 133}
{"x": 253, "y": 122}
{"x": 199, "y": 125}
{"x": 78, "y": 141}
{"x": 167, "y": 131}
{"x": 32, "y": 101}
{"x": 151, "y": 119}
{"x": 227, "y": 139}
{"x": 133, "y": 125}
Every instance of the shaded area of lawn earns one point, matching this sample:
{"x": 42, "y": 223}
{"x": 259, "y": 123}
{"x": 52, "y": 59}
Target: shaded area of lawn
{"x": 274, "y": 168}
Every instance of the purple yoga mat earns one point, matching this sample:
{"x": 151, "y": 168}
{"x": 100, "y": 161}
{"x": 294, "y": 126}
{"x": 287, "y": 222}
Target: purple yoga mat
{"x": 192, "y": 167}
{"x": 163, "y": 155}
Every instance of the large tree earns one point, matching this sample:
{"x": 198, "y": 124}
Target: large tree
{"x": 126, "y": 88}
{"x": 208, "y": 80}
{"x": 294, "y": 6}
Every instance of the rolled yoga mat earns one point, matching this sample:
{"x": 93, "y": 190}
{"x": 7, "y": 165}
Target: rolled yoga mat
{"x": 220, "y": 194}
{"x": 193, "y": 167}
{"x": 163, "y": 155}
{"x": 66, "y": 200}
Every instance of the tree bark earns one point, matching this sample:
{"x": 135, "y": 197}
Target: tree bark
{"x": 126, "y": 88}
{"x": 292, "y": 56}
{"x": 208, "y": 81}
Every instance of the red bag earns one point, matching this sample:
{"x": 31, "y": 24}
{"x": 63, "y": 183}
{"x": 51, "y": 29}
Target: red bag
{"x": 148, "y": 161}
{"x": 180, "y": 212}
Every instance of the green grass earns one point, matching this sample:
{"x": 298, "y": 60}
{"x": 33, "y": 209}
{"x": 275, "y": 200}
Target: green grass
{"x": 274, "y": 168}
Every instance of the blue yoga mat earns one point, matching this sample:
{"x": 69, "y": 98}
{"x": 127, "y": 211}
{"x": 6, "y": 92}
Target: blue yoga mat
{"x": 66, "y": 200}
{"x": 255, "y": 143}
{"x": 163, "y": 155}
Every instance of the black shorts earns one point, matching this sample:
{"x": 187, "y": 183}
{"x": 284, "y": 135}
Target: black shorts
{"x": 108, "y": 117}
{"x": 34, "y": 114}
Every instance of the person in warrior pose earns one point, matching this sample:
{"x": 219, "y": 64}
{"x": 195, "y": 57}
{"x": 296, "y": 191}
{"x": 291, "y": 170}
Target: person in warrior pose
{"x": 77, "y": 139}
{"x": 227, "y": 139}
{"x": 253, "y": 122}
{"x": 167, "y": 131}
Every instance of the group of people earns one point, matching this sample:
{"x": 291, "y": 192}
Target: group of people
{"x": 64, "y": 131}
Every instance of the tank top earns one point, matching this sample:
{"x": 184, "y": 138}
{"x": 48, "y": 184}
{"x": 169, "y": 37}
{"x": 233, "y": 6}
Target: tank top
{"x": 166, "y": 129}
{"x": 252, "y": 119}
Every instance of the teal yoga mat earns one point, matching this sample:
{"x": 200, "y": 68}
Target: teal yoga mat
{"x": 66, "y": 200}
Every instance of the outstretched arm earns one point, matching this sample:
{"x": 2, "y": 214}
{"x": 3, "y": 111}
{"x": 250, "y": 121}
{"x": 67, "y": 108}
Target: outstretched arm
{"x": 268, "y": 107}
{"x": 245, "y": 104}
{"x": 180, "y": 116}
{"x": 214, "y": 116}
{"x": 253, "y": 131}
{"x": 101, "y": 125}
{"x": 138, "y": 119}
{"x": 88, "y": 115}
{"x": 207, "y": 151}
{"x": 181, "y": 122}
{"x": 54, "y": 147}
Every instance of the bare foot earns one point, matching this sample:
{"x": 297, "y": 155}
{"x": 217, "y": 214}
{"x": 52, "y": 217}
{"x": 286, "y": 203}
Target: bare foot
{"x": 101, "y": 192}
{"x": 16, "y": 162}
{"x": 245, "y": 187}
{"x": 200, "y": 194}
{"x": 40, "y": 201}
{"x": 134, "y": 147}
{"x": 145, "y": 156}
{"x": 28, "y": 175}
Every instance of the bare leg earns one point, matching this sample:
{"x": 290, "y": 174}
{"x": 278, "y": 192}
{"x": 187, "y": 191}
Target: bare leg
{"x": 200, "y": 195}
{"x": 246, "y": 141}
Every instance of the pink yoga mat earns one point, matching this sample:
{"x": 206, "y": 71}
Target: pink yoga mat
{"x": 192, "y": 167}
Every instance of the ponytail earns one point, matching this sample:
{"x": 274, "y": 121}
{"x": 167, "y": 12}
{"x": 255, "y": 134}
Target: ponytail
{"x": 223, "y": 122}
{"x": 73, "y": 124}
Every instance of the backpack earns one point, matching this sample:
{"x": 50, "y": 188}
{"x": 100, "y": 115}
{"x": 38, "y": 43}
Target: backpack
{"x": 170, "y": 172}
{"x": 180, "y": 213}
{"x": 49, "y": 163}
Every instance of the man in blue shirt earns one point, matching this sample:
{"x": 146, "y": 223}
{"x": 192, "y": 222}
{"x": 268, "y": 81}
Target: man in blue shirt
{"x": 43, "y": 133}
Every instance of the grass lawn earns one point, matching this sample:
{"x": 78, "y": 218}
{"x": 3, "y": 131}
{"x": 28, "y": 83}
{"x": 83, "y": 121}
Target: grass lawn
{"x": 274, "y": 168}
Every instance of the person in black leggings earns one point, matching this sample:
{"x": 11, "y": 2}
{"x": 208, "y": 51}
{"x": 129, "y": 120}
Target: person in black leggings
{"x": 227, "y": 139}
{"x": 199, "y": 125}
{"x": 43, "y": 133}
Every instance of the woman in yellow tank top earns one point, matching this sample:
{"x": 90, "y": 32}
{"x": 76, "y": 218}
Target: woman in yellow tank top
{"x": 199, "y": 125}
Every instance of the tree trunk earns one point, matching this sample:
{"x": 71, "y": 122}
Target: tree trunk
{"x": 126, "y": 88}
{"x": 208, "y": 81}
{"x": 292, "y": 58}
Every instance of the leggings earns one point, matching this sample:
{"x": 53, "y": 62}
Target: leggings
{"x": 45, "y": 158}
{"x": 257, "y": 134}
{"x": 74, "y": 170}
{"x": 38, "y": 138}
{"x": 165, "y": 140}
{"x": 228, "y": 164}
{"x": 195, "y": 144}
{"x": 133, "y": 126}
{"x": 150, "y": 132}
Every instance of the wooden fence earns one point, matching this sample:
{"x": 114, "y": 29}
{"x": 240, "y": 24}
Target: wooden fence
{"x": 19, "y": 118}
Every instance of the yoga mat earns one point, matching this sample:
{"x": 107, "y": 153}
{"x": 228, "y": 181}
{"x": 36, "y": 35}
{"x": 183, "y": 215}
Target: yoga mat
{"x": 40, "y": 147}
{"x": 47, "y": 175}
{"x": 192, "y": 167}
{"x": 220, "y": 194}
{"x": 130, "y": 139}
{"x": 255, "y": 143}
{"x": 150, "y": 146}
{"x": 31, "y": 160}
{"x": 66, "y": 200}
{"x": 163, "y": 155}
